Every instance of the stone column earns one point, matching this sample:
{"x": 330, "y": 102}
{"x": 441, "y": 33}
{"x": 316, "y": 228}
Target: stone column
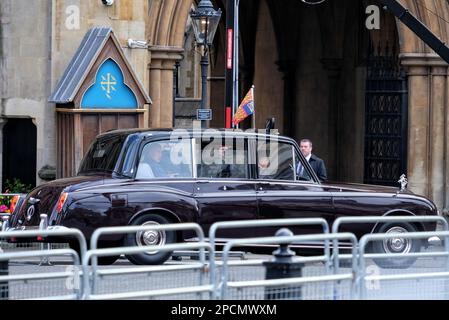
{"x": 333, "y": 66}
{"x": 161, "y": 67}
{"x": 427, "y": 151}
{"x": 288, "y": 69}
{"x": 438, "y": 134}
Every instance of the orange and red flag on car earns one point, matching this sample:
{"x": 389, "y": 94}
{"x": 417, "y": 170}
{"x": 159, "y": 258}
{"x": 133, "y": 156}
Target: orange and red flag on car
{"x": 246, "y": 108}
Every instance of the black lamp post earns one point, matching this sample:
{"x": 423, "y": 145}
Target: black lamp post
{"x": 205, "y": 23}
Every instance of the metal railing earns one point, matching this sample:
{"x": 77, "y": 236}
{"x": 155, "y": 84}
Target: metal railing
{"x": 329, "y": 282}
{"x": 134, "y": 229}
{"x": 198, "y": 289}
{"x": 383, "y": 219}
{"x": 259, "y": 224}
{"x": 12, "y": 285}
{"x": 40, "y": 235}
{"x": 365, "y": 220}
{"x": 225, "y": 283}
{"x": 417, "y": 289}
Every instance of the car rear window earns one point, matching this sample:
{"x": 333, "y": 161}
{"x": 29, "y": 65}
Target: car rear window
{"x": 102, "y": 155}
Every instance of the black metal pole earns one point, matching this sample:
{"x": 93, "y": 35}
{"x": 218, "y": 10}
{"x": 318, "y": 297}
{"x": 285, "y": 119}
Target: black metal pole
{"x": 424, "y": 33}
{"x": 230, "y": 64}
{"x": 283, "y": 267}
{"x": 175, "y": 92}
{"x": 204, "y": 71}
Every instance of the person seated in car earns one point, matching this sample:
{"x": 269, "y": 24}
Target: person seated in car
{"x": 151, "y": 166}
{"x": 223, "y": 165}
{"x": 265, "y": 172}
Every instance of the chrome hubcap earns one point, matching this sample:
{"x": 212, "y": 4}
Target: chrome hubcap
{"x": 150, "y": 237}
{"x": 397, "y": 245}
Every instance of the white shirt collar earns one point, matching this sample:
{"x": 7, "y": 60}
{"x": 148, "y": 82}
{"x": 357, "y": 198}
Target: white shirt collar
{"x": 308, "y": 157}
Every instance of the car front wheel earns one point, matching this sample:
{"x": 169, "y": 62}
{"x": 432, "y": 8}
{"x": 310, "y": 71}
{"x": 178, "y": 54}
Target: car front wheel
{"x": 150, "y": 238}
{"x": 396, "y": 245}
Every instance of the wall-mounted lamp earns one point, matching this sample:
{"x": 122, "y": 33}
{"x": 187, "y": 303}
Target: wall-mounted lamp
{"x": 137, "y": 44}
{"x": 108, "y": 2}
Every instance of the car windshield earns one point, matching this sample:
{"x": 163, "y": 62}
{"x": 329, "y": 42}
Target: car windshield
{"x": 102, "y": 155}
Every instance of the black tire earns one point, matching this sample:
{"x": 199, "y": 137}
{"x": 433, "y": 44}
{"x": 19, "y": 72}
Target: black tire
{"x": 398, "y": 246}
{"x": 102, "y": 261}
{"x": 150, "y": 238}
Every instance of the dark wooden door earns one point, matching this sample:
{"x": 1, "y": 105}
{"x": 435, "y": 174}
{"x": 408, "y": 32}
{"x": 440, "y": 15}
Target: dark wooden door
{"x": 19, "y": 151}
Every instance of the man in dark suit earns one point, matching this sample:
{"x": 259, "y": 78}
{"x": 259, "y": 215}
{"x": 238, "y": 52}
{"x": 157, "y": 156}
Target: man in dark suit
{"x": 316, "y": 163}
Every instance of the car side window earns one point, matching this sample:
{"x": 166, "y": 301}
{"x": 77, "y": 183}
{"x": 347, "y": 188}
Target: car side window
{"x": 165, "y": 159}
{"x": 222, "y": 158}
{"x": 275, "y": 161}
{"x": 279, "y": 161}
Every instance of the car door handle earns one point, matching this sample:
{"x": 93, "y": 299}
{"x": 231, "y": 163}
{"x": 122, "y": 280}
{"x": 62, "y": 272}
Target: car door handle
{"x": 226, "y": 188}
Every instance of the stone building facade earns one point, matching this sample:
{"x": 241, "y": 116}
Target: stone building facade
{"x": 317, "y": 69}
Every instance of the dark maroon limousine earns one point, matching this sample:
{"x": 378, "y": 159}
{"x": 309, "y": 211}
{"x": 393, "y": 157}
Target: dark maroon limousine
{"x": 150, "y": 177}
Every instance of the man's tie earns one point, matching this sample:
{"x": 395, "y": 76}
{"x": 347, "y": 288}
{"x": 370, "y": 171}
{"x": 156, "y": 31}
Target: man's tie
{"x": 300, "y": 170}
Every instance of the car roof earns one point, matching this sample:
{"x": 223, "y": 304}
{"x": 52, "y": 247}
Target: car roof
{"x": 145, "y": 132}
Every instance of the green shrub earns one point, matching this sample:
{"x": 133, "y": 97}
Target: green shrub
{"x": 17, "y": 186}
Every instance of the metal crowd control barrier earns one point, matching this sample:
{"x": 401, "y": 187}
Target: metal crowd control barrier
{"x": 376, "y": 220}
{"x": 198, "y": 289}
{"x": 29, "y": 234}
{"x": 262, "y": 223}
{"x": 225, "y": 283}
{"x": 134, "y": 229}
{"x": 127, "y": 230}
{"x": 30, "y": 277}
{"x": 345, "y": 220}
{"x": 414, "y": 275}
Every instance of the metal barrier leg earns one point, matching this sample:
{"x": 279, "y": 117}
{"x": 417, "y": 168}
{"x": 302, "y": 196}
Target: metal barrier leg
{"x": 5, "y": 223}
{"x": 283, "y": 267}
{"x": 45, "y": 261}
{"x": 4, "y": 286}
{"x": 446, "y": 281}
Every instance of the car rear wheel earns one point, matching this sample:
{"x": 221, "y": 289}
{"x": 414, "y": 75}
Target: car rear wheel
{"x": 150, "y": 238}
{"x": 102, "y": 261}
{"x": 396, "y": 246}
